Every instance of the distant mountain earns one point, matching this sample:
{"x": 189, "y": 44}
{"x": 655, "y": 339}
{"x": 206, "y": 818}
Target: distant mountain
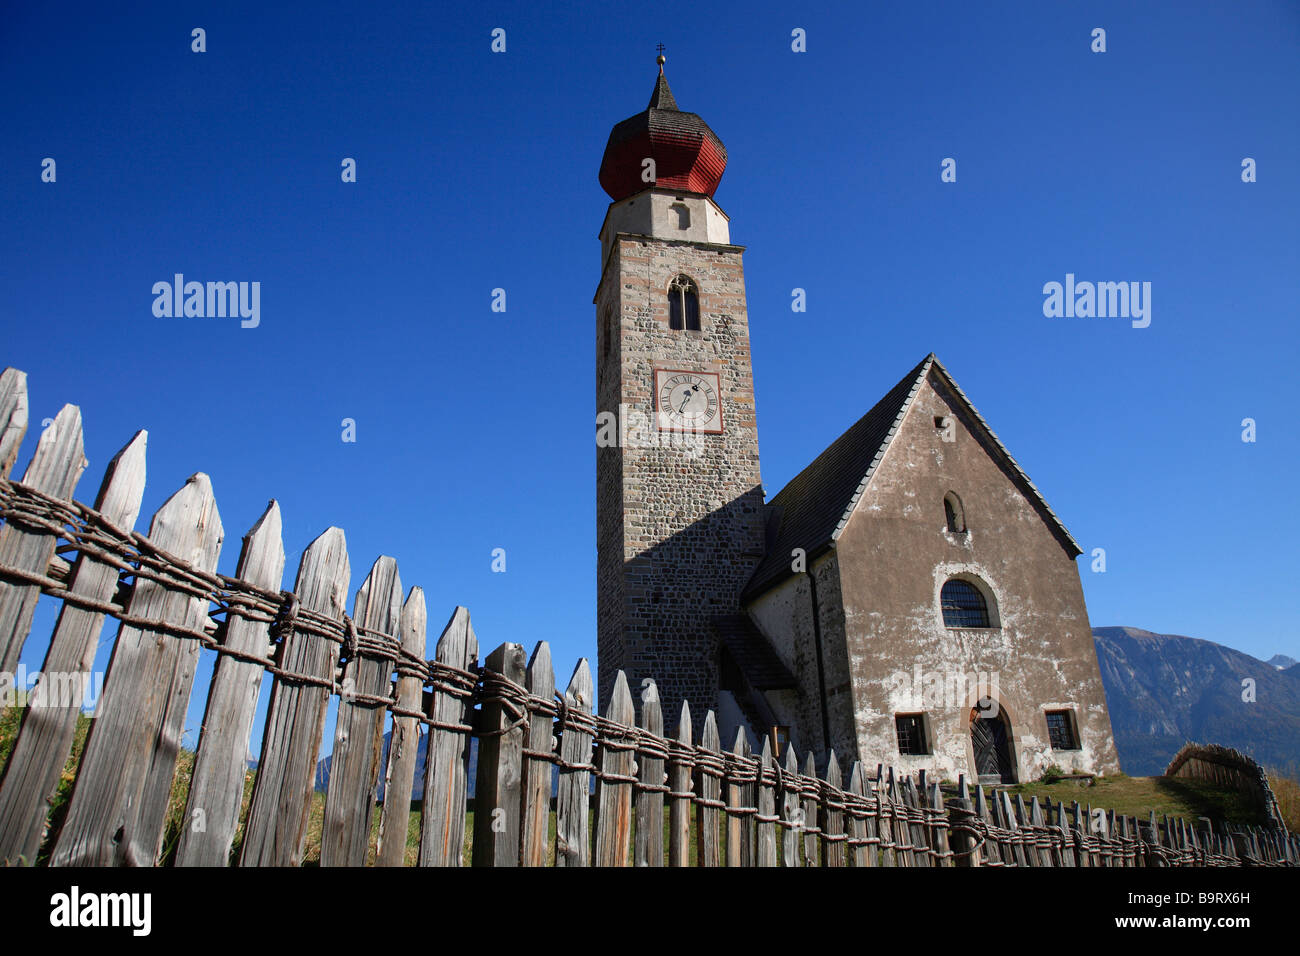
{"x": 1164, "y": 690}
{"x": 1281, "y": 661}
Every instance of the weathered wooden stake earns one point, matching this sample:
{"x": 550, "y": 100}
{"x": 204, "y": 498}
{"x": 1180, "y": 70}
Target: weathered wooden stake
{"x": 736, "y": 823}
{"x": 791, "y": 811}
{"x": 32, "y": 776}
{"x": 572, "y": 847}
{"x": 709, "y": 787}
{"x": 446, "y": 769}
{"x": 748, "y": 797}
{"x": 613, "y": 785}
{"x": 966, "y": 846}
{"x": 830, "y": 816}
{"x": 889, "y": 856}
{"x": 498, "y": 792}
{"x": 765, "y": 836}
{"x": 54, "y": 470}
{"x": 902, "y": 827}
{"x": 359, "y": 727}
{"x": 920, "y": 839}
{"x": 679, "y": 806}
{"x": 811, "y": 811}
{"x": 864, "y": 851}
{"x": 537, "y": 771}
{"x": 119, "y": 806}
{"x": 217, "y": 786}
{"x": 13, "y": 417}
{"x": 939, "y": 835}
{"x": 650, "y": 802}
{"x": 276, "y": 831}
{"x": 404, "y": 740}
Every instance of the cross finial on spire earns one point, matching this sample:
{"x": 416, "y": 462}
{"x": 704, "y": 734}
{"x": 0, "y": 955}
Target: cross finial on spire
{"x": 661, "y": 59}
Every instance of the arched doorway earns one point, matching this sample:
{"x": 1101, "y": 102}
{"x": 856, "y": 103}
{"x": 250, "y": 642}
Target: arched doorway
{"x": 990, "y": 738}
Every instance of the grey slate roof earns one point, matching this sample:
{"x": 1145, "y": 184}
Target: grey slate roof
{"x": 812, "y": 510}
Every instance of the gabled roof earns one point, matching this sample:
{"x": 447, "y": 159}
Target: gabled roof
{"x": 812, "y": 510}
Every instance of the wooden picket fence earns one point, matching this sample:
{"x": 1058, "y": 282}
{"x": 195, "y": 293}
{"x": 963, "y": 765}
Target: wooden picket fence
{"x": 719, "y": 806}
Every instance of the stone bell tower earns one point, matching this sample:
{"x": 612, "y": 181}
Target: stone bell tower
{"x": 679, "y": 502}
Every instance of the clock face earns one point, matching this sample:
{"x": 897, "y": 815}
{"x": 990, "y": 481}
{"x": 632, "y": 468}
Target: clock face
{"x": 688, "y": 401}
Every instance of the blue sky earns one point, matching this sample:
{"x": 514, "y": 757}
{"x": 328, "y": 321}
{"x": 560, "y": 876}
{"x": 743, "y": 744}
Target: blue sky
{"x": 478, "y": 171}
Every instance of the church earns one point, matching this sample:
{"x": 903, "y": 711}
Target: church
{"x": 909, "y": 598}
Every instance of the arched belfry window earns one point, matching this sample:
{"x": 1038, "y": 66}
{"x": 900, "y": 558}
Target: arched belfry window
{"x": 953, "y": 513}
{"x": 963, "y": 604}
{"x": 683, "y": 304}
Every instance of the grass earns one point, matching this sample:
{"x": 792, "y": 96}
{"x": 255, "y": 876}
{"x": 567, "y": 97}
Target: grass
{"x": 1138, "y": 796}
{"x": 10, "y": 723}
{"x": 1129, "y": 796}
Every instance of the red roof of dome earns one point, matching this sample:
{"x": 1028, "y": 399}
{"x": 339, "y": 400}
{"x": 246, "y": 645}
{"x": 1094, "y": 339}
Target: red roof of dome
{"x": 688, "y": 155}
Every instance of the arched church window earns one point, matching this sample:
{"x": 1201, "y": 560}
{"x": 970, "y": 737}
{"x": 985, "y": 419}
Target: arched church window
{"x": 683, "y": 305}
{"x": 963, "y": 605}
{"x": 953, "y": 513}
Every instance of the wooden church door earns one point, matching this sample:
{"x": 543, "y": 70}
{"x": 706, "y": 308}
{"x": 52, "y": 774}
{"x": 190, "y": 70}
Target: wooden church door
{"x": 988, "y": 735}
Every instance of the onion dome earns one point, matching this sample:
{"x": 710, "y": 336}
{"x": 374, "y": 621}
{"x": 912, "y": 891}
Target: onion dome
{"x": 688, "y": 155}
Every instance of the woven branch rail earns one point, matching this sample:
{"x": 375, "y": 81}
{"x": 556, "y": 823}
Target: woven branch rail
{"x": 723, "y": 807}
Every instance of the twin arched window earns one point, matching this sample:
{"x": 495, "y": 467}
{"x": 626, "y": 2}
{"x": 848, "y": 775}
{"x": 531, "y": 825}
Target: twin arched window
{"x": 963, "y": 604}
{"x": 683, "y": 304}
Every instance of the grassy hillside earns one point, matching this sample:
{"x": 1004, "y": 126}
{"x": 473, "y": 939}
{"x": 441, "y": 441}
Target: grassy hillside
{"x": 1137, "y": 796}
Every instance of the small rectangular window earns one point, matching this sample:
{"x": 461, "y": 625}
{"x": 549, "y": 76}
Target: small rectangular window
{"x": 1060, "y": 730}
{"x": 911, "y": 734}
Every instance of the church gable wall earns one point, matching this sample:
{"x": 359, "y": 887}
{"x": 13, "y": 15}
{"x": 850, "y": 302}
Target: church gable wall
{"x": 894, "y": 556}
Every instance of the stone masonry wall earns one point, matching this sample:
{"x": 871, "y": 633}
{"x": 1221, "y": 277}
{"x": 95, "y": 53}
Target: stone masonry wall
{"x": 691, "y": 526}
{"x": 609, "y": 487}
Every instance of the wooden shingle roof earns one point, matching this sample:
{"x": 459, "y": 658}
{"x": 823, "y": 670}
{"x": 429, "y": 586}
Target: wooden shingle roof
{"x": 688, "y": 155}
